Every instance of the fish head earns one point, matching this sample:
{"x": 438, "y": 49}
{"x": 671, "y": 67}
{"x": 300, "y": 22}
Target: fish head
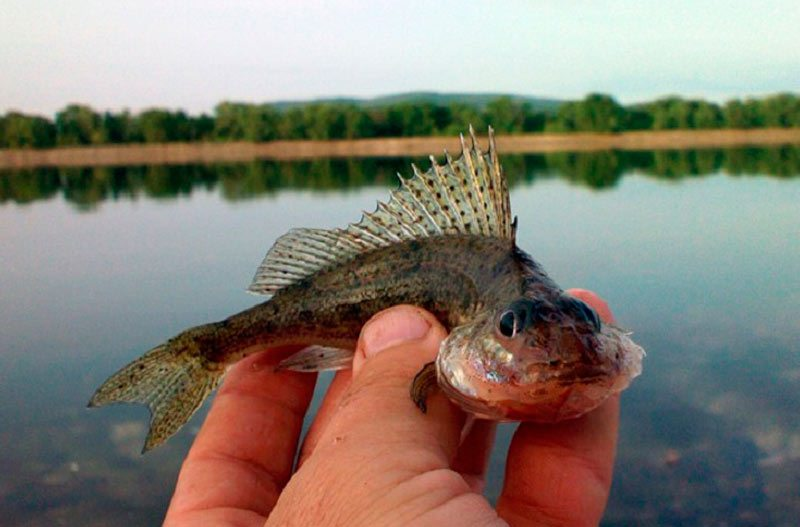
{"x": 536, "y": 359}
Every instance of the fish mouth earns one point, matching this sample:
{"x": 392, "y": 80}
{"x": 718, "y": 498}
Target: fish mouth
{"x": 491, "y": 383}
{"x": 465, "y": 396}
{"x": 549, "y": 400}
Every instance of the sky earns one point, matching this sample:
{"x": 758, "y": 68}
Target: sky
{"x": 192, "y": 55}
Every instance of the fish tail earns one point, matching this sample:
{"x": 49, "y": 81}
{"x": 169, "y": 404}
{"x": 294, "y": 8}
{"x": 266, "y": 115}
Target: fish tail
{"x": 172, "y": 380}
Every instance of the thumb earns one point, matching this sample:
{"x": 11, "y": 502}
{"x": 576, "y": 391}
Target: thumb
{"x": 377, "y": 407}
{"x": 379, "y": 459}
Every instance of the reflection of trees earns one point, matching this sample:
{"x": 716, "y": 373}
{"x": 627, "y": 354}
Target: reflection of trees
{"x": 779, "y": 162}
{"x": 86, "y": 187}
{"x": 24, "y": 186}
{"x": 674, "y": 164}
{"x": 593, "y": 169}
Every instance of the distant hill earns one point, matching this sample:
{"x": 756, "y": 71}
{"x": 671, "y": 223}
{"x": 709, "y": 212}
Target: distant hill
{"x": 480, "y": 100}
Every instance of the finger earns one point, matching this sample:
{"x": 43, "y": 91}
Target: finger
{"x": 244, "y": 452}
{"x": 339, "y": 384}
{"x": 387, "y": 332}
{"x": 561, "y": 474}
{"x": 377, "y": 408}
{"x": 377, "y": 447}
{"x": 472, "y": 458}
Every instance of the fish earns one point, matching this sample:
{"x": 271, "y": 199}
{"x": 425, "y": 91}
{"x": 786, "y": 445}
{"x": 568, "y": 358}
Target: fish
{"x": 519, "y": 347}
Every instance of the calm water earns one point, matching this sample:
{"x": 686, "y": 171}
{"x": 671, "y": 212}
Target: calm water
{"x": 698, "y": 252}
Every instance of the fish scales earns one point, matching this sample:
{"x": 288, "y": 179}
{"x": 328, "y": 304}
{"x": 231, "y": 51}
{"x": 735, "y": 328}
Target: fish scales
{"x": 330, "y": 307}
{"x": 519, "y": 348}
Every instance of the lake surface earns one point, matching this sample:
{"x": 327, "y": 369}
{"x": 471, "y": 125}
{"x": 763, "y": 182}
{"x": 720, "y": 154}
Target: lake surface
{"x": 697, "y": 251}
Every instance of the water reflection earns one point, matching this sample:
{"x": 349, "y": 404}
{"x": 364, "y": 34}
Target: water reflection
{"x": 86, "y": 187}
{"x": 725, "y": 452}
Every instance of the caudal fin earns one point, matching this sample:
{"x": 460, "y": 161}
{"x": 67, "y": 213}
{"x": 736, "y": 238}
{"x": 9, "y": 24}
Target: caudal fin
{"x": 169, "y": 380}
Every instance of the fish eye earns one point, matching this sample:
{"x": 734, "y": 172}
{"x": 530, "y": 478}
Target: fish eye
{"x": 508, "y": 324}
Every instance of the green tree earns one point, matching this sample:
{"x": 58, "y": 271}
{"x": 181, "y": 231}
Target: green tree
{"x": 79, "y": 125}
{"x": 781, "y": 110}
{"x": 742, "y": 114}
{"x": 18, "y": 130}
{"x": 157, "y": 126}
{"x": 595, "y": 113}
{"x": 599, "y": 113}
{"x": 671, "y": 113}
{"x": 661, "y": 113}
{"x": 357, "y": 122}
{"x": 324, "y": 121}
{"x": 245, "y": 122}
{"x": 462, "y": 116}
{"x": 410, "y": 120}
{"x": 442, "y": 118}
{"x": 291, "y": 124}
{"x": 637, "y": 117}
{"x": 681, "y": 114}
{"x": 505, "y": 115}
{"x": 202, "y": 127}
{"x": 707, "y": 115}
{"x": 532, "y": 121}
{"x": 227, "y": 121}
{"x": 120, "y": 128}
{"x": 564, "y": 120}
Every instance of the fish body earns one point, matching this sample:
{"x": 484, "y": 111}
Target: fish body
{"x": 519, "y": 347}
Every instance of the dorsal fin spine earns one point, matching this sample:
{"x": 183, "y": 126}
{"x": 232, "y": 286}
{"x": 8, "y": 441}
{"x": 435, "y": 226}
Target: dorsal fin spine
{"x": 480, "y": 190}
{"x": 479, "y": 216}
{"x": 430, "y": 191}
{"x": 420, "y": 229}
{"x": 501, "y": 188}
{"x": 420, "y": 207}
{"x": 474, "y": 139}
{"x": 453, "y": 200}
{"x": 387, "y": 231}
{"x": 405, "y": 229}
{"x": 447, "y": 210}
{"x": 365, "y": 232}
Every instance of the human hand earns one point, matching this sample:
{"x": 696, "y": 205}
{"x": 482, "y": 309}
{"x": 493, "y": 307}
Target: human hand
{"x": 372, "y": 458}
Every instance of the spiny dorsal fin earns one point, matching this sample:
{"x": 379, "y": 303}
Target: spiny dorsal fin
{"x": 468, "y": 195}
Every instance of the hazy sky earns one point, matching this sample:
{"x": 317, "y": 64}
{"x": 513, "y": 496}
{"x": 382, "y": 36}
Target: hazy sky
{"x": 191, "y": 55}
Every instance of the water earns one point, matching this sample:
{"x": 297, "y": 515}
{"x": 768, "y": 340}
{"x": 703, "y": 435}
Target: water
{"x": 698, "y": 251}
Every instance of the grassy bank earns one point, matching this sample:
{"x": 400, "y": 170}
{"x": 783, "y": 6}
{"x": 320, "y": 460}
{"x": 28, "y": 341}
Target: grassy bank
{"x": 208, "y": 152}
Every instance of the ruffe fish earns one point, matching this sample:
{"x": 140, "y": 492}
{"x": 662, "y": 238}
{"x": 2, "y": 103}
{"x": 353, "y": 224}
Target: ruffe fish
{"x": 519, "y": 347}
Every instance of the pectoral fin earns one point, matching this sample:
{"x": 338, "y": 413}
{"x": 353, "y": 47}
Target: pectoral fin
{"x": 318, "y": 358}
{"x": 423, "y": 384}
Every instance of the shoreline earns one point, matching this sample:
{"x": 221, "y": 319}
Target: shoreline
{"x": 242, "y": 151}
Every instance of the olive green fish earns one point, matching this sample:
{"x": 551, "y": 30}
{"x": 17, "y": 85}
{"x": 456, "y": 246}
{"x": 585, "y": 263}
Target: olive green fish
{"x": 519, "y": 347}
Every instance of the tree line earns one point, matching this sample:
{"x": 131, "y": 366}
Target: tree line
{"x": 231, "y": 121}
{"x": 87, "y": 187}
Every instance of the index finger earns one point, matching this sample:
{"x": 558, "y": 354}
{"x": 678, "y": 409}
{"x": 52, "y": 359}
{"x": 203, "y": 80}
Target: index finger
{"x": 560, "y": 474}
{"x": 244, "y": 452}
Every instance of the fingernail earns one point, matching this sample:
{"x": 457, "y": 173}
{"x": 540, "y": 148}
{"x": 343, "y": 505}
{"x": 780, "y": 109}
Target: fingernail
{"x": 392, "y": 327}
